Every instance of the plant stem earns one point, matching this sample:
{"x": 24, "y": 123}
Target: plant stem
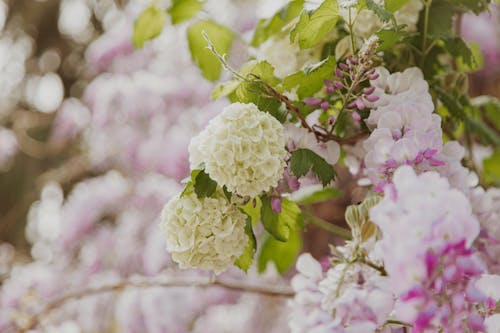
{"x": 339, "y": 231}
{"x": 427, "y": 4}
{"x": 351, "y": 35}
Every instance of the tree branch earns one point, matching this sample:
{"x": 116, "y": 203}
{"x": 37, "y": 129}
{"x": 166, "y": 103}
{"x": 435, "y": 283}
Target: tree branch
{"x": 201, "y": 282}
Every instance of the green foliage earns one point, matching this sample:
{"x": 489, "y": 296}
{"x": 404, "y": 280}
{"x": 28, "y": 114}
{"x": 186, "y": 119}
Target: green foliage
{"x": 222, "y": 39}
{"x": 491, "y": 169}
{"x": 281, "y": 225}
{"x": 318, "y": 196}
{"x": 390, "y": 38}
{"x": 380, "y": 11}
{"x": 252, "y": 209}
{"x": 311, "y": 29}
{"x": 148, "y": 25}
{"x": 245, "y": 260}
{"x": 475, "y": 6}
{"x": 440, "y": 19}
{"x": 310, "y": 80}
{"x": 358, "y": 219}
{"x": 394, "y": 5}
{"x": 283, "y": 254}
{"x": 457, "y": 47}
{"x": 304, "y": 160}
{"x": 183, "y": 10}
{"x": 270, "y": 26}
{"x": 253, "y": 89}
{"x": 201, "y": 183}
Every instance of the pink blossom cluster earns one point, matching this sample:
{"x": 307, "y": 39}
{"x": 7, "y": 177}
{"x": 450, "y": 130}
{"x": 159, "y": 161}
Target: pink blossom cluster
{"x": 407, "y": 132}
{"x": 428, "y": 231}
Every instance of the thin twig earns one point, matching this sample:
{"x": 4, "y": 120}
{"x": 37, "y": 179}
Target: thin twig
{"x": 339, "y": 231}
{"x": 201, "y": 282}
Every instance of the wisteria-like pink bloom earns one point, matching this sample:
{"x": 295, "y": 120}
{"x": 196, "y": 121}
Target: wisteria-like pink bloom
{"x": 428, "y": 229}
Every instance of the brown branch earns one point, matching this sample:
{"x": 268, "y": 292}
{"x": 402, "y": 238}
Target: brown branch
{"x": 201, "y": 282}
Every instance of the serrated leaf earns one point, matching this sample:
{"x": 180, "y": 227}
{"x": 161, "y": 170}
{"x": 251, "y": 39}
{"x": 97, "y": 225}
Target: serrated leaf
{"x": 204, "y": 186}
{"x": 311, "y": 79}
{"x": 457, "y": 47}
{"x": 148, "y": 25}
{"x": 390, "y": 38}
{"x": 380, "y": 11}
{"x": 440, "y": 21}
{"x": 280, "y": 225}
{"x": 283, "y": 254}
{"x": 270, "y": 26}
{"x": 183, "y": 10}
{"x": 304, "y": 160}
{"x": 311, "y": 29}
{"x": 254, "y": 91}
{"x": 221, "y": 38}
{"x": 394, "y": 5}
{"x": 245, "y": 260}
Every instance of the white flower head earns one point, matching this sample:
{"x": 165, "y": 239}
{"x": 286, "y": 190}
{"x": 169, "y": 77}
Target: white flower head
{"x": 242, "y": 148}
{"x": 207, "y": 233}
{"x": 347, "y": 3}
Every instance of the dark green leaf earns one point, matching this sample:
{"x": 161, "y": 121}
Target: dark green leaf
{"x": 311, "y": 29}
{"x": 440, "y": 19}
{"x": 204, "y": 186}
{"x": 148, "y": 25}
{"x": 390, "y": 38}
{"x": 283, "y": 254}
{"x": 222, "y": 39}
{"x": 245, "y": 260}
{"x": 303, "y": 160}
{"x": 457, "y": 47}
{"x": 183, "y": 10}
{"x": 475, "y": 6}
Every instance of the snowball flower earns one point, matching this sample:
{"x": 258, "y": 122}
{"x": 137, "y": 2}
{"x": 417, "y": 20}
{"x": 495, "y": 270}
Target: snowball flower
{"x": 207, "y": 233}
{"x": 242, "y": 148}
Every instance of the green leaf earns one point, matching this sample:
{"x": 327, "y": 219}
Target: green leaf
{"x": 311, "y": 29}
{"x": 280, "y": 225}
{"x": 270, "y": 26}
{"x": 394, "y": 5}
{"x": 189, "y": 181}
{"x": 183, "y": 10}
{"x": 222, "y": 39}
{"x": 254, "y": 91}
{"x": 283, "y": 254}
{"x": 148, "y": 25}
{"x": 485, "y": 133}
{"x": 252, "y": 209}
{"x": 475, "y": 6}
{"x": 225, "y": 89}
{"x": 316, "y": 196}
{"x": 303, "y": 160}
{"x": 457, "y": 47}
{"x": 380, "y": 11}
{"x": 245, "y": 260}
{"x": 491, "y": 168}
{"x": 310, "y": 80}
{"x": 390, "y": 38}
{"x": 440, "y": 19}
{"x": 204, "y": 186}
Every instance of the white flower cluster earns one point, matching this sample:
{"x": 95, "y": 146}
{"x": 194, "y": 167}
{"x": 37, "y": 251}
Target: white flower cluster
{"x": 366, "y": 22}
{"x": 207, "y": 233}
{"x": 242, "y": 148}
